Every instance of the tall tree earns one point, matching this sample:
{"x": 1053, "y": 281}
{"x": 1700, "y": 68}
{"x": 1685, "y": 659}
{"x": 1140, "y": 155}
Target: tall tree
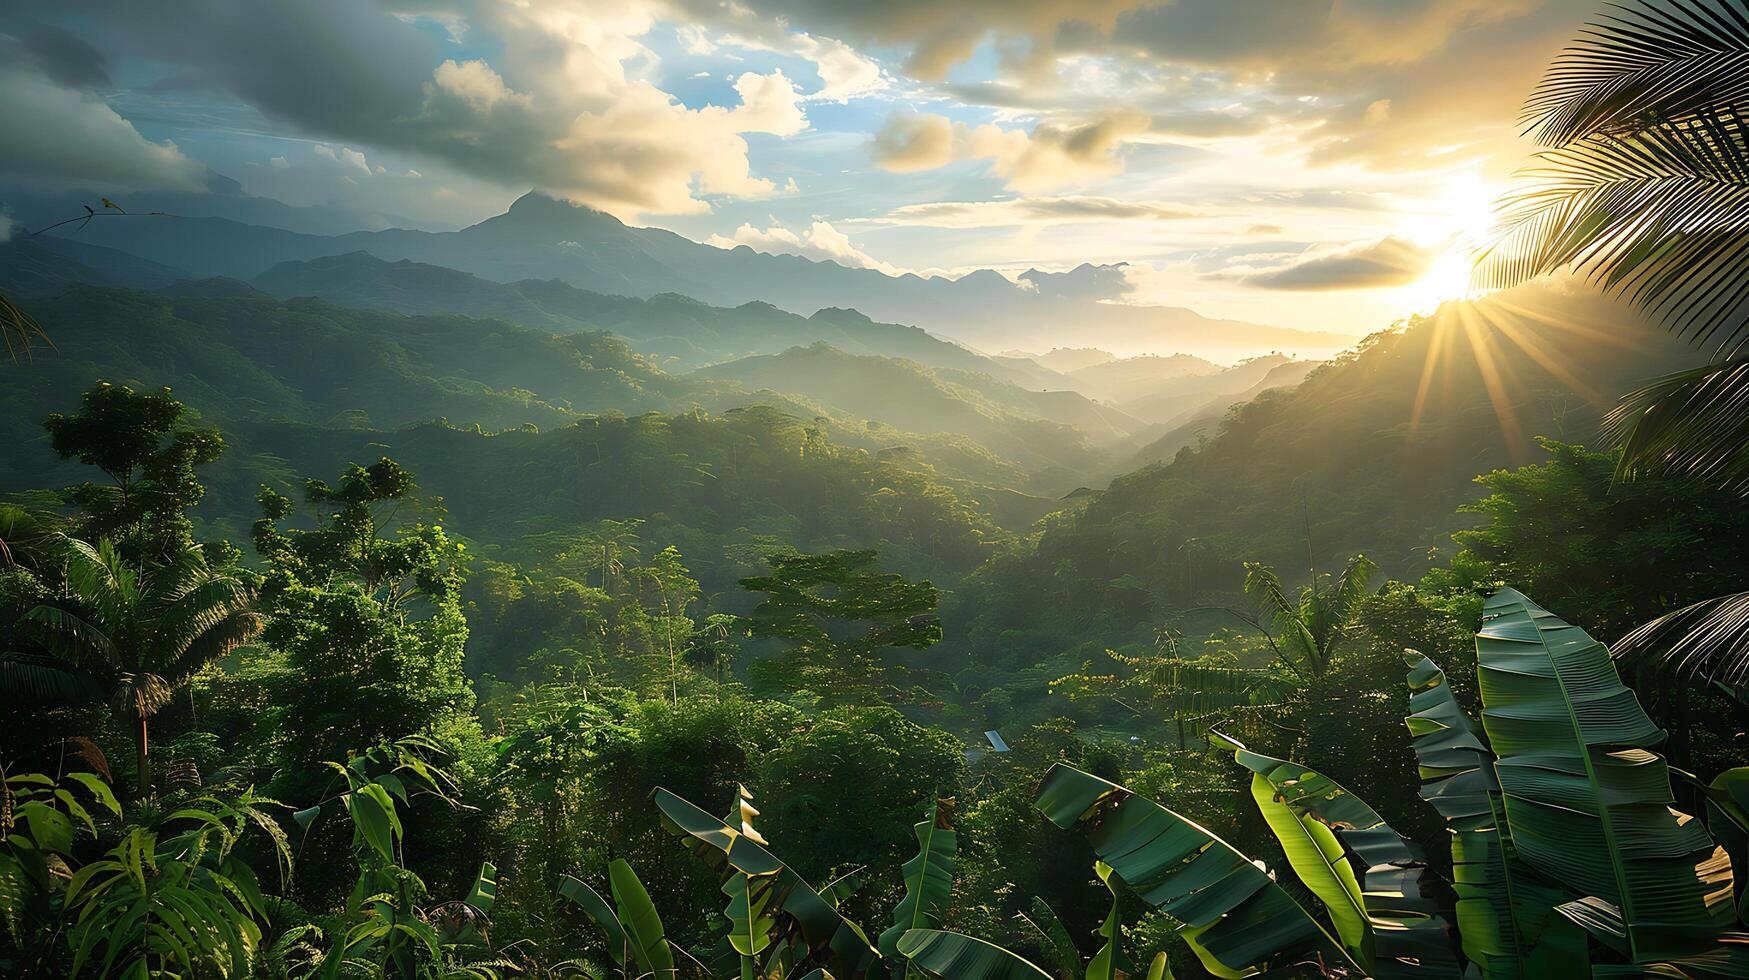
{"x": 836, "y": 615}
{"x": 367, "y": 610}
{"x": 143, "y": 444}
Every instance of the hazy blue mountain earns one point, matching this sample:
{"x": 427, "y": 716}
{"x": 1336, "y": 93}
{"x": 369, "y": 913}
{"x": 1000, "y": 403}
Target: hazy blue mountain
{"x": 43, "y": 266}
{"x": 1036, "y": 429}
{"x": 542, "y": 238}
{"x": 681, "y": 333}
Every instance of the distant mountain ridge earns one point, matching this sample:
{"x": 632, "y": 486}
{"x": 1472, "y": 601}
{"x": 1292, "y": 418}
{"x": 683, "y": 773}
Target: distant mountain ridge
{"x": 543, "y": 238}
{"x": 683, "y": 333}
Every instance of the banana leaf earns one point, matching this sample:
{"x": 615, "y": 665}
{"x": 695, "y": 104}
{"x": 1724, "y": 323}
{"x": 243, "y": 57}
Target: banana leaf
{"x": 596, "y": 907}
{"x": 952, "y": 956}
{"x": 485, "y": 891}
{"x": 1587, "y": 804}
{"x": 1727, "y": 959}
{"x": 815, "y": 921}
{"x": 1727, "y": 807}
{"x": 928, "y": 878}
{"x": 843, "y": 886}
{"x": 1053, "y": 938}
{"x": 1160, "y": 969}
{"x": 643, "y": 927}
{"x": 1505, "y": 916}
{"x": 1104, "y": 965}
{"x": 1383, "y": 915}
{"x": 1228, "y": 908}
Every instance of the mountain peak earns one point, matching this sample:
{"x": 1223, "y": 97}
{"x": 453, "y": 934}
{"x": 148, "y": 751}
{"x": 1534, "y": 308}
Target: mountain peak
{"x": 540, "y": 213}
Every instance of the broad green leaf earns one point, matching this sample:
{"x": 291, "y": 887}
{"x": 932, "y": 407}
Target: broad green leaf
{"x": 1587, "y": 804}
{"x": 1505, "y": 916}
{"x": 1160, "y": 969}
{"x": 98, "y": 789}
{"x": 373, "y": 813}
{"x": 817, "y": 923}
{"x": 485, "y": 891}
{"x": 1053, "y": 938}
{"x": 928, "y": 878}
{"x": 596, "y": 907}
{"x": 1103, "y": 966}
{"x": 952, "y": 956}
{"x": 643, "y": 927}
{"x": 1728, "y": 819}
{"x": 1234, "y": 916}
{"x": 750, "y": 912}
{"x": 843, "y": 886}
{"x": 50, "y": 829}
{"x": 1329, "y": 835}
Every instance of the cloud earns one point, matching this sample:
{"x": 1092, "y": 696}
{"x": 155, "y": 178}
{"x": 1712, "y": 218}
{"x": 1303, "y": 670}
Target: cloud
{"x": 60, "y": 132}
{"x": 769, "y": 104}
{"x": 1052, "y": 155}
{"x": 474, "y": 82}
{"x": 67, "y": 59}
{"x": 564, "y": 102}
{"x": 345, "y": 156}
{"x": 819, "y": 241}
{"x": 1031, "y": 211}
{"x": 1390, "y": 261}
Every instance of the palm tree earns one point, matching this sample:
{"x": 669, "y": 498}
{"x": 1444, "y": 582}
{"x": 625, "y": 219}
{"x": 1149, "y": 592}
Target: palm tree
{"x": 137, "y": 634}
{"x": 1644, "y": 190}
{"x": 1307, "y": 627}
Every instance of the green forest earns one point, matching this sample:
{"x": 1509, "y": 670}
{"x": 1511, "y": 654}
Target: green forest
{"x": 369, "y": 617}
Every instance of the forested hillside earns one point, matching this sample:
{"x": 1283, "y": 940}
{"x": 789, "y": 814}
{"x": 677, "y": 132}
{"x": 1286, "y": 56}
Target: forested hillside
{"x": 399, "y": 581}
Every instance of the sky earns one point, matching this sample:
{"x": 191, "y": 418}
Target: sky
{"x": 1310, "y": 163}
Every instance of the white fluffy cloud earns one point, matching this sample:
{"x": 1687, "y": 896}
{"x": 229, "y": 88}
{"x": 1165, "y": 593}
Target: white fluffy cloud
{"x": 1051, "y": 156}
{"x": 818, "y": 241}
{"x": 55, "y": 131}
{"x": 567, "y": 101}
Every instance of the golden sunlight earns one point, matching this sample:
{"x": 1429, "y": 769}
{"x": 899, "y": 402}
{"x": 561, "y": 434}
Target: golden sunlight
{"x": 1454, "y": 224}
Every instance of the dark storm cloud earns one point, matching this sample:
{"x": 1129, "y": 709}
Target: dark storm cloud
{"x": 67, "y": 59}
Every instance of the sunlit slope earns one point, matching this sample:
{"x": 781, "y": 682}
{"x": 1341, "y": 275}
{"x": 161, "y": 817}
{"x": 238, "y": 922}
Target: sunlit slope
{"x": 1372, "y": 453}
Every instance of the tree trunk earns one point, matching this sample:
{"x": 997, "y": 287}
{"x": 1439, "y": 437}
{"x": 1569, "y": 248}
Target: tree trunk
{"x": 142, "y": 758}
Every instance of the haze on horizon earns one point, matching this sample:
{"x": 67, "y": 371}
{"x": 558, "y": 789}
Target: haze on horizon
{"x": 1317, "y": 165}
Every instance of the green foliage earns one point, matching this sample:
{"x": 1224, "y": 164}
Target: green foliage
{"x": 1616, "y": 555}
{"x": 928, "y": 878}
{"x": 140, "y": 442}
{"x": 368, "y": 613}
{"x": 136, "y": 633}
{"x": 175, "y": 900}
{"x": 836, "y": 616}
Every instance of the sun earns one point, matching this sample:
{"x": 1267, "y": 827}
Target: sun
{"x": 1452, "y": 225}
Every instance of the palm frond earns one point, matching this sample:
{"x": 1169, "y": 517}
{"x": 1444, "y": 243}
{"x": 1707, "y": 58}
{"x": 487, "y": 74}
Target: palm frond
{"x": 1694, "y": 423}
{"x": 213, "y": 643}
{"x": 1263, "y": 587}
{"x": 81, "y": 638}
{"x": 19, "y": 331}
{"x": 1659, "y": 217}
{"x": 28, "y": 677}
{"x": 1665, "y": 61}
{"x": 1706, "y": 641}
